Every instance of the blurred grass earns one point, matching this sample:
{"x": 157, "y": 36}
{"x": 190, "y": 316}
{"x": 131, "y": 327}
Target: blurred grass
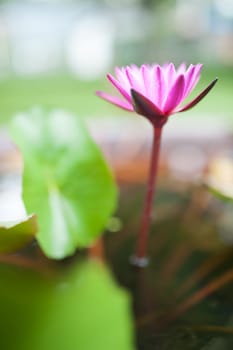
{"x": 219, "y": 102}
{"x": 61, "y": 91}
{"x": 65, "y": 91}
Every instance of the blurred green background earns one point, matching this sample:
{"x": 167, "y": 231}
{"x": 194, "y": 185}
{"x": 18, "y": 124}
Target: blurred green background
{"x": 56, "y": 53}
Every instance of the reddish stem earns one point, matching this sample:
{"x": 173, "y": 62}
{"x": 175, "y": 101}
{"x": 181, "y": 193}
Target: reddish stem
{"x": 97, "y": 250}
{"x": 141, "y": 248}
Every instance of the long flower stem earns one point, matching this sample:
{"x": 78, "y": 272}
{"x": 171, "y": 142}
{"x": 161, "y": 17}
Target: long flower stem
{"x": 141, "y": 248}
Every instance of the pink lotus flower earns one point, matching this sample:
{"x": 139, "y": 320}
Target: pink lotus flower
{"x": 156, "y": 91}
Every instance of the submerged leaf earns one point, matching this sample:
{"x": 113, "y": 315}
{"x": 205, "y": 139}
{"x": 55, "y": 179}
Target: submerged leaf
{"x": 66, "y": 181}
{"x": 16, "y": 234}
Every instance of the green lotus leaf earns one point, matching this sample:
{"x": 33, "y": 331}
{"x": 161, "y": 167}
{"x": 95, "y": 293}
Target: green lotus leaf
{"x": 81, "y": 309}
{"x": 66, "y": 181}
{"x": 15, "y": 234}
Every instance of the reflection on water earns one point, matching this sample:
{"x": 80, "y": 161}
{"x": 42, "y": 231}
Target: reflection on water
{"x": 184, "y": 299}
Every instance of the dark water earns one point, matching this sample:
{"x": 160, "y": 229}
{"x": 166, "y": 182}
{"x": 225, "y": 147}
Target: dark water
{"x": 184, "y": 298}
